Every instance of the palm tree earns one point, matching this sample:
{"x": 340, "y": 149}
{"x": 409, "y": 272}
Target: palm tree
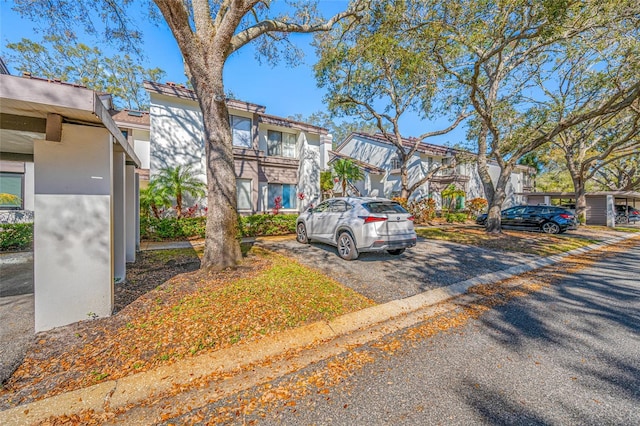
{"x": 153, "y": 198}
{"x": 179, "y": 181}
{"x": 346, "y": 171}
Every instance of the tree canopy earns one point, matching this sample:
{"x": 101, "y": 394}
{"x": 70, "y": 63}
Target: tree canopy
{"x": 373, "y": 71}
{"x": 78, "y": 63}
{"x": 207, "y": 33}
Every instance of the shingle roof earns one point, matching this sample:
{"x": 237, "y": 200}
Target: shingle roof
{"x": 423, "y": 147}
{"x": 286, "y": 122}
{"x": 183, "y": 92}
{"x": 131, "y": 116}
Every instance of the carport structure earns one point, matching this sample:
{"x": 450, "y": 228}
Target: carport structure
{"x": 85, "y": 195}
{"x": 600, "y": 205}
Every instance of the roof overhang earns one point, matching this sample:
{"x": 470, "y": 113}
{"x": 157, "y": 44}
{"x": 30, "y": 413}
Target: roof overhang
{"x": 28, "y": 106}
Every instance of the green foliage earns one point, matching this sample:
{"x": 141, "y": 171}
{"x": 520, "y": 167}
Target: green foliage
{"x": 267, "y": 224}
{"x": 57, "y": 58}
{"x": 347, "y": 172}
{"x": 326, "y": 181}
{"x": 179, "y": 181}
{"x": 451, "y": 196}
{"x": 16, "y": 236}
{"x": 455, "y": 217}
{"x": 173, "y": 228}
{"x": 153, "y": 199}
{"x": 338, "y": 129}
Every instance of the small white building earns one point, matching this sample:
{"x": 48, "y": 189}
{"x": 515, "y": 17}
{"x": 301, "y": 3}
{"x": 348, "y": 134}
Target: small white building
{"x": 274, "y": 156}
{"x": 69, "y": 164}
{"x": 378, "y": 159}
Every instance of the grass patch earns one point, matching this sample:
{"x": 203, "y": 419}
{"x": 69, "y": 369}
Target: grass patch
{"x": 522, "y": 242}
{"x": 618, "y": 228}
{"x": 190, "y": 314}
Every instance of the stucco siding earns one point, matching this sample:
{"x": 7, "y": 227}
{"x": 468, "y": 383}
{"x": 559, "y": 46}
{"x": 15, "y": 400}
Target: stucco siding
{"x": 176, "y": 134}
{"x": 142, "y": 147}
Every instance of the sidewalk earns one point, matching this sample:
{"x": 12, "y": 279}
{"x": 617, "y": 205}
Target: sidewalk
{"x": 345, "y": 331}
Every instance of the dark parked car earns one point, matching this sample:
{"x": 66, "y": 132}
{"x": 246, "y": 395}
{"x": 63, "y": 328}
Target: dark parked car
{"x": 549, "y": 219}
{"x": 627, "y": 214}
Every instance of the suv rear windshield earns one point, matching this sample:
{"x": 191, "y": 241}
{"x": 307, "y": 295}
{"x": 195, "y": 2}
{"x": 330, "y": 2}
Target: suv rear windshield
{"x": 384, "y": 207}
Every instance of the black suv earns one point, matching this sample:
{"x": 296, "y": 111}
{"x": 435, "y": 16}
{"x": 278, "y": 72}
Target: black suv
{"x": 549, "y": 219}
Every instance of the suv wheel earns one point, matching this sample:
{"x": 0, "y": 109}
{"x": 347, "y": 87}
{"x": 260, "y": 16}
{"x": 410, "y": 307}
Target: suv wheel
{"x": 347, "y": 247}
{"x": 301, "y": 234}
{"x": 550, "y": 228}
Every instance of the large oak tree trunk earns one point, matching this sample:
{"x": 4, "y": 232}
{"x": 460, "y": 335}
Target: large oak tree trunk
{"x": 495, "y": 194}
{"x": 222, "y": 248}
{"x": 581, "y": 198}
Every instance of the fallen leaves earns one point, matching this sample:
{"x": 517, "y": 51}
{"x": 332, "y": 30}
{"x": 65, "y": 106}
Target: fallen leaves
{"x": 512, "y": 241}
{"x": 189, "y": 314}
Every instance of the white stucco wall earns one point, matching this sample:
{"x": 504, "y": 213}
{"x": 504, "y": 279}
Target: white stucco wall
{"x": 380, "y": 155}
{"x": 73, "y": 254}
{"x": 176, "y": 134}
{"x": 142, "y": 147}
{"x": 309, "y": 169}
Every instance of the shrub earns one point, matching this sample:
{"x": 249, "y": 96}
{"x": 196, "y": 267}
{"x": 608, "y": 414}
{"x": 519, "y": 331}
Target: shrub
{"x": 172, "y": 228}
{"x": 16, "y": 236}
{"x": 476, "y": 206}
{"x": 266, "y": 224}
{"x": 423, "y": 210}
{"x": 455, "y": 217}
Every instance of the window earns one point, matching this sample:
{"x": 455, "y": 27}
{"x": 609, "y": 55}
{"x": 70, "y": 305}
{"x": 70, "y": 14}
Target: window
{"x": 243, "y": 189}
{"x": 282, "y": 144}
{"x": 241, "y": 131}
{"x": 287, "y": 193}
{"x": 396, "y": 163}
{"x": 11, "y": 190}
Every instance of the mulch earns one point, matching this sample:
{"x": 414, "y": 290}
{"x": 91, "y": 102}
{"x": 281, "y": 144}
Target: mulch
{"x": 143, "y": 277}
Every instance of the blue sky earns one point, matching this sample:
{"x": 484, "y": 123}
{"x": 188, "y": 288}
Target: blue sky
{"x": 284, "y": 90}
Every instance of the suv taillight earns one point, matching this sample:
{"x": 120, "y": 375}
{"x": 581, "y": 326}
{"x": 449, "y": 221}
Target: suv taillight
{"x": 411, "y": 218}
{"x": 369, "y": 219}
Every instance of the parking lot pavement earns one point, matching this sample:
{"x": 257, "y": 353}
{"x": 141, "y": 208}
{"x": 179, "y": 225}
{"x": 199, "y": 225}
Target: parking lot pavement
{"x": 16, "y": 310}
{"x": 383, "y": 278}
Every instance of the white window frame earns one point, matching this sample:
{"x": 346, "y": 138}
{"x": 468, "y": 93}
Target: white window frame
{"x": 279, "y": 146}
{"x": 239, "y": 195}
{"x": 271, "y": 195}
{"x": 12, "y": 175}
{"x": 236, "y": 132}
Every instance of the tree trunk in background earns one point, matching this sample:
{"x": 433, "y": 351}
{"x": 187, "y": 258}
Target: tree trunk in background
{"x": 581, "y": 198}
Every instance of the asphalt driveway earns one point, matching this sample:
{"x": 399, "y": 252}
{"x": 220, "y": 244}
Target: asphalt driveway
{"x": 383, "y": 278}
{"x": 16, "y": 310}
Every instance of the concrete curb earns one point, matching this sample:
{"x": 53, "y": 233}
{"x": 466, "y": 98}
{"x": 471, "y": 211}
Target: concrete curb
{"x": 138, "y": 387}
{"x": 16, "y": 257}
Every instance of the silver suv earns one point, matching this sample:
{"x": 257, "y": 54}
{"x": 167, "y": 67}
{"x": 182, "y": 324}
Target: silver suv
{"x": 358, "y": 224}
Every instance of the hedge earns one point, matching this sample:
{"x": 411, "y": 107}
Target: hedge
{"x": 456, "y": 217}
{"x": 16, "y": 236}
{"x": 193, "y": 227}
